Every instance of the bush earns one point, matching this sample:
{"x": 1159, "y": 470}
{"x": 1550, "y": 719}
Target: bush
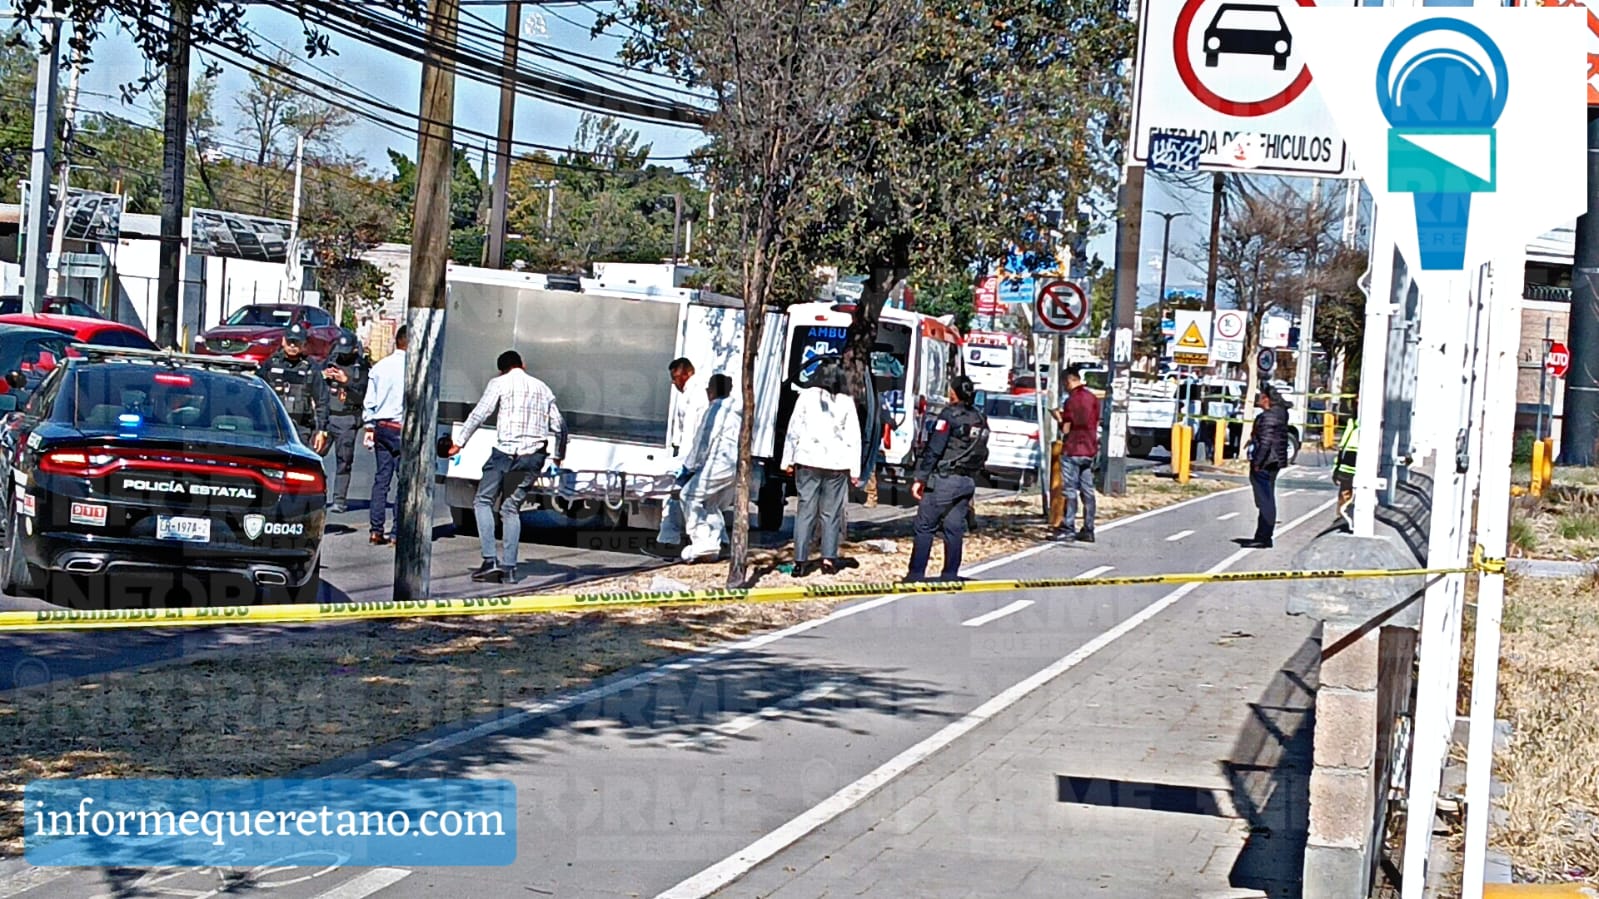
{"x": 1521, "y": 452}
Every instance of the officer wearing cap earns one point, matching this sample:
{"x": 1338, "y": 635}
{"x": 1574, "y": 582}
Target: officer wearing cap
{"x": 945, "y": 480}
{"x": 301, "y": 387}
{"x": 346, "y": 372}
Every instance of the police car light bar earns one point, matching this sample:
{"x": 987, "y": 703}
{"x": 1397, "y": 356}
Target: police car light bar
{"x": 169, "y": 357}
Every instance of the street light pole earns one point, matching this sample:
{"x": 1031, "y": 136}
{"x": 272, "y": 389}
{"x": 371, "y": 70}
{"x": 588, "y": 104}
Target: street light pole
{"x": 1165, "y": 257}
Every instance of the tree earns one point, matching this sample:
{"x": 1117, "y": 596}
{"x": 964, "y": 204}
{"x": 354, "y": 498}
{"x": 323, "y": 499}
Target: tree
{"x": 788, "y": 77}
{"x": 274, "y": 115}
{"x": 953, "y": 162}
{"x": 1341, "y": 314}
{"x": 1266, "y": 255}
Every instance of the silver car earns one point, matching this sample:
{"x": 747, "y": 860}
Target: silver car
{"x": 1014, "y": 448}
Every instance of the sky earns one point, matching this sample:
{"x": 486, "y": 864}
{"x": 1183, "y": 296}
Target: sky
{"x": 567, "y": 27}
{"x": 395, "y": 80}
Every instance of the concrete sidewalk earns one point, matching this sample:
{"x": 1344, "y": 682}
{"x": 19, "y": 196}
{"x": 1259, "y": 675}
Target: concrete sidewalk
{"x": 1174, "y": 762}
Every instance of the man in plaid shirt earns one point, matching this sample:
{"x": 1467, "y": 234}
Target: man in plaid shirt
{"x": 529, "y": 432}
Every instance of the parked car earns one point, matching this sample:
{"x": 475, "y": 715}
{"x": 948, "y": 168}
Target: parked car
{"x": 147, "y": 463}
{"x": 93, "y": 331}
{"x": 31, "y": 352}
{"x": 1014, "y": 446}
{"x": 256, "y": 331}
{"x": 12, "y": 305}
{"x": 1029, "y": 384}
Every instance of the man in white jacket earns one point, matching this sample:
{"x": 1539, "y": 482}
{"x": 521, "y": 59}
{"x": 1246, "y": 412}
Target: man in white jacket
{"x": 688, "y": 410}
{"x": 713, "y": 466}
{"x": 822, "y": 452}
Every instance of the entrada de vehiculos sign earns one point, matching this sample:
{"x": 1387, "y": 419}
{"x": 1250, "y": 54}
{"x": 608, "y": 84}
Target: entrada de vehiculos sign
{"x": 1231, "y": 74}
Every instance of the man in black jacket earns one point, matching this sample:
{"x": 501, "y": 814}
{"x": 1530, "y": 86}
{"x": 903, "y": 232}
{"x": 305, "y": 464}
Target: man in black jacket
{"x": 1268, "y": 454}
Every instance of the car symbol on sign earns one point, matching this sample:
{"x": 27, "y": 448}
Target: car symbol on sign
{"x": 1248, "y": 29}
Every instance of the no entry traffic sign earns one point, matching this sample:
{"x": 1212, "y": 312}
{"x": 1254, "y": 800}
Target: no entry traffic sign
{"x": 1558, "y": 360}
{"x": 1062, "y": 307}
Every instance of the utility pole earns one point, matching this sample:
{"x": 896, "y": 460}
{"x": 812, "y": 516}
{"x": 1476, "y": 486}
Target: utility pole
{"x": 502, "y": 143}
{"x": 1218, "y": 183}
{"x": 296, "y": 275}
{"x": 1129, "y": 235}
{"x": 1580, "y": 428}
{"x": 549, "y": 212}
{"x": 40, "y": 167}
{"x": 677, "y": 224}
{"x": 430, "y": 250}
{"x": 1307, "y": 319}
{"x": 169, "y": 283}
{"x": 58, "y": 239}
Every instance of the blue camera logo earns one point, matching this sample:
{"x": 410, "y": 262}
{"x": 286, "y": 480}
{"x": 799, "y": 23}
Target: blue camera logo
{"x": 1442, "y": 85}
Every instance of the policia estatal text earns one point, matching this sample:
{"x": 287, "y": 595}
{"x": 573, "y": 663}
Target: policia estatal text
{"x": 944, "y": 480}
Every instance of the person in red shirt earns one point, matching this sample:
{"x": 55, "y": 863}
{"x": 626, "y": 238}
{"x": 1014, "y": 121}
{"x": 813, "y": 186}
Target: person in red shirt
{"x": 1079, "y": 423}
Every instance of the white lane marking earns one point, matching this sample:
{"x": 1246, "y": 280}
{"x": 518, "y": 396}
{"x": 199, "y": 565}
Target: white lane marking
{"x": 1228, "y": 517}
{"x": 1292, "y": 493}
{"x": 29, "y": 878}
{"x": 1178, "y": 536}
{"x": 1096, "y": 572}
{"x": 536, "y": 710}
{"x": 997, "y": 614}
{"x": 366, "y": 884}
{"x": 739, "y": 863}
{"x": 744, "y": 722}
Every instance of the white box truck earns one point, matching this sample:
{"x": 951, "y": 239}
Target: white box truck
{"x": 604, "y": 353}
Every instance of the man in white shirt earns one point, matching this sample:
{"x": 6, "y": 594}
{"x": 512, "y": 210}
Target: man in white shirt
{"x": 528, "y": 432}
{"x": 713, "y": 465}
{"x": 689, "y": 402}
{"x": 383, "y": 412}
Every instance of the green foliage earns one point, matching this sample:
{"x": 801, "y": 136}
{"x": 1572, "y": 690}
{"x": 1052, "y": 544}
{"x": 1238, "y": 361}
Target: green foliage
{"x": 951, "y": 294}
{"x": 1579, "y": 526}
{"x": 1521, "y": 452}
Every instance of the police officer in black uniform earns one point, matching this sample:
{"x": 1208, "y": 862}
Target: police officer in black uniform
{"x": 945, "y": 481}
{"x": 346, "y": 373}
{"x": 299, "y": 383}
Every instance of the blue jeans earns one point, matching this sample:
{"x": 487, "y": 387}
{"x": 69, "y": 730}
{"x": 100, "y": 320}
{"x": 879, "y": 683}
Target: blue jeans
{"x": 505, "y": 483}
{"x": 1077, "y": 481}
{"x": 386, "y": 447}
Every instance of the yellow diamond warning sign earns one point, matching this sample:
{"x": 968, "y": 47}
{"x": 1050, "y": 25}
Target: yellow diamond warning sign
{"x": 1192, "y": 346}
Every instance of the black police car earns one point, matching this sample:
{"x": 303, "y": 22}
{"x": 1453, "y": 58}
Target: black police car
{"x": 129, "y": 463}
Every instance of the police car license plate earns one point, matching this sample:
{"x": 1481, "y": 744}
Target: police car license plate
{"x": 187, "y": 530}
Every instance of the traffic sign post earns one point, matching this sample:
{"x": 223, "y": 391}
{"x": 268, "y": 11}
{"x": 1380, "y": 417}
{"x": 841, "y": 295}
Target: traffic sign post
{"x": 1557, "y": 360}
{"x": 1229, "y": 344}
{"x": 1230, "y": 76}
{"x": 1061, "y": 307}
{"x": 1192, "y": 346}
{"x": 1266, "y": 361}
{"x": 1457, "y": 116}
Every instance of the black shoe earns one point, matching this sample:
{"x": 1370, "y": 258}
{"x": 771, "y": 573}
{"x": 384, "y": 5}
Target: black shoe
{"x": 1085, "y": 536}
{"x": 487, "y": 566}
{"x": 1255, "y": 544}
{"x": 804, "y": 569}
{"x": 495, "y": 576}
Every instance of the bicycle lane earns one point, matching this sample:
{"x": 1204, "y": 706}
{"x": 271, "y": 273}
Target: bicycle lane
{"x": 636, "y": 783}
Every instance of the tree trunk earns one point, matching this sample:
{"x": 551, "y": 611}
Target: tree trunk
{"x": 738, "y": 556}
{"x": 882, "y": 276}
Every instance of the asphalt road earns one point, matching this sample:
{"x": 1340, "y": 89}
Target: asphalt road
{"x": 553, "y": 552}
{"x": 688, "y": 775}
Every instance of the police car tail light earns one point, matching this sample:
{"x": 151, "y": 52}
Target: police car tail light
{"x": 306, "y": 481}
{"x": 64, "y": 462}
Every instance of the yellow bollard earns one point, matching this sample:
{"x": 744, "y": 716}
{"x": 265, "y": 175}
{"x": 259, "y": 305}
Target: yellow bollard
{"x": 1329, "y": 429}
{"x": 1548, "y": 462}
{"x": 1182, "y": 457}
{"x": 1219, "y": 438}
{"x": 1537, "y": 467}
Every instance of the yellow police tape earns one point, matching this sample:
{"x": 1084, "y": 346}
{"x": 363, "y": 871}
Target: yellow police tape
{"x": 307, "y": 613}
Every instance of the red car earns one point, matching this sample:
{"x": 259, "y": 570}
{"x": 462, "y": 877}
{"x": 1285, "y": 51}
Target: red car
{"x": 93, "y": 331}
{"x": 11, "y": 304}
{"x": 256, "y": 331}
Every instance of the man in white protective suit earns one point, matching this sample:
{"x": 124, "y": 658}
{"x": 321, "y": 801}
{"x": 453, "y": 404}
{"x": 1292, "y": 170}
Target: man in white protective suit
{"x": 712, "y": 464}
{"x": 688, "y": 409}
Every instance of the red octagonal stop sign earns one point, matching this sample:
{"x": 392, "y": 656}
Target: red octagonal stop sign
{"x": 1557, "y": 360}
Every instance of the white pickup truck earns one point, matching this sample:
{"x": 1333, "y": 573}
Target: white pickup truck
{"x": 1153, "y": 407}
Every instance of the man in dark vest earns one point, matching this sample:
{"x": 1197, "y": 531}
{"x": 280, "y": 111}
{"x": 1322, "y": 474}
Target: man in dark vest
{"x": 346, "y": 373}
{"x": 300, "y": 385}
